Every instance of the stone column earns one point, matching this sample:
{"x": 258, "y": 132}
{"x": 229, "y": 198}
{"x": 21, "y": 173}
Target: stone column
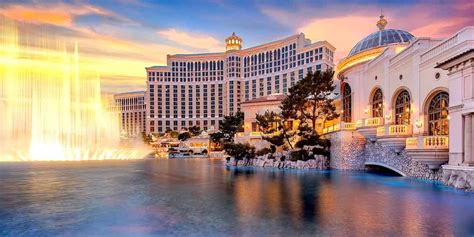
{"x": 468, "y": 125}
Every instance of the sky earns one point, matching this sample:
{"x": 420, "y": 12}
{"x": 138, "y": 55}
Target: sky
{"x": 119, "y": 38}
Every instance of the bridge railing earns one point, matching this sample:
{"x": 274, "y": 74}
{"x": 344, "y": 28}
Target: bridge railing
{"x": 427, "y": 142}
{"x": 338, "y": 127}
{"x": 369, "y": 122}
{"x": 395, "y": 130}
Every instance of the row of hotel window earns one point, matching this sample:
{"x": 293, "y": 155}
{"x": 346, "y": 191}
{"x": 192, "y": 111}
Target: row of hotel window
{"x": 205, "y": 78}
{"x": 194, "y": 103}
{"x": 163, "y": 126}
{"x": 266, "y": 62}
{"x": 129, "y": 101}
{"x": 133, "y": 107}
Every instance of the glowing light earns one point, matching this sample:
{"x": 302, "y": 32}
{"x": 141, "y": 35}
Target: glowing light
{"x": 50, "y": 108}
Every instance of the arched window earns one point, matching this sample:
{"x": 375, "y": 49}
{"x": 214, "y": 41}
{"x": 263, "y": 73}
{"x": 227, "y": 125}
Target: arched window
{"x": 438, "y": 114}
{"x": 402, "y": 108}
{"x": 377, "y": 104}
{"x": 346, "y": 103}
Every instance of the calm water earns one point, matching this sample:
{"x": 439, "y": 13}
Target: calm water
{"x": 202, "y": 198}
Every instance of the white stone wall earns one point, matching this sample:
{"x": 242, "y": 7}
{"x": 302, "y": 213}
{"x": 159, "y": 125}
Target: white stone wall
{"x": 347, "y": 148}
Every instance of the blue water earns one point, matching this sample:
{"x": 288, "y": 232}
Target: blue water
{"x": 200, "y": 197}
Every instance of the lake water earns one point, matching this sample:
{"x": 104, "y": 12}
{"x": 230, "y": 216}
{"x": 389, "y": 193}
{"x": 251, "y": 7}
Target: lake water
{"x": 201, "y": 197}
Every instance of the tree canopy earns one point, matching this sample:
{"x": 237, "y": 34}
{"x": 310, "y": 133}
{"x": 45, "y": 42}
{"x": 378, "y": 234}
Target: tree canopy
{"x": 230, "y": 125}
{"x": 310, "y": 100}
{"x": 184, "y": 136}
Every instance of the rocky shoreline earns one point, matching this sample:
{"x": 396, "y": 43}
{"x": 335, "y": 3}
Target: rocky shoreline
{"x": 319, "y": 162}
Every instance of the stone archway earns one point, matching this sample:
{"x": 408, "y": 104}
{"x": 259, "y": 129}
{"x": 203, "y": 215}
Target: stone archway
{"x": 385, "y": 166}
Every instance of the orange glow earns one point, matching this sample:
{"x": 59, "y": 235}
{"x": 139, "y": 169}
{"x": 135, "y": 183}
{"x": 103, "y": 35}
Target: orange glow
{"x": 51, "y": 108}
{"x": 47, "y": 16}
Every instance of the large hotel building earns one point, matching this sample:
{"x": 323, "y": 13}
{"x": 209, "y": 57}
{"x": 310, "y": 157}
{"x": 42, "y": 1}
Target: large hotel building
{"x": 199, "y": 89}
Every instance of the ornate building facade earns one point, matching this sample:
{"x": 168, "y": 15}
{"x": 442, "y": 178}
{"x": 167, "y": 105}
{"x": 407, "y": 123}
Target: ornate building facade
{"x": 199, "y": 89}
{"x": 412, "y": 95}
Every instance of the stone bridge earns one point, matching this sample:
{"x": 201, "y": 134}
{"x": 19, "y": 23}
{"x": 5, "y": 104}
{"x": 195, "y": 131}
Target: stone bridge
{"x": 351, "y": 151}
{"x": 376, "y": 154}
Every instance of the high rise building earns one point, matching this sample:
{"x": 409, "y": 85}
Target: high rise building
{"x": 131, "y": 106}
{"x": 199, "y": 89}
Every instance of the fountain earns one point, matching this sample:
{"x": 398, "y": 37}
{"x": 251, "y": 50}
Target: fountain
{"x": 50, "y": 109}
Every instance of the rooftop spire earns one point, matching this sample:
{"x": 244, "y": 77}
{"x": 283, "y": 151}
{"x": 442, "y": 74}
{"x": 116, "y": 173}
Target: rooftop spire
{"x": 381, "y": 23}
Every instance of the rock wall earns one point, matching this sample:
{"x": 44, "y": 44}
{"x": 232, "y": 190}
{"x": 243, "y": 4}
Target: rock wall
{"x": 319, "y": 162}
{"x": 402, "y": 163}
{"x": 459, "y": 177}
{"x": 351, "y": 151}
{"x": 347, "y": 148}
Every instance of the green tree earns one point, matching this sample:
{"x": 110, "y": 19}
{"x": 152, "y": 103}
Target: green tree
{"x": 217, "y": 138}
{"x": 230, "y": 125}
{"x": 239, "y": 150}
{"x": 194, "y": 130}
{"x": 172, "y": 133}
{"x": 184, "y": 136}
{"x": 275, "y": 128}
{"x": 310, "y": 100}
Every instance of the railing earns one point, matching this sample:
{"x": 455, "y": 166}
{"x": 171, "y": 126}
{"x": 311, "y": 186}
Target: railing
{"x": 395, "y": 130}
{"x": 369, "y": 122}
{"x": 255, "y": 134}
{"x": 427, "y": 142}
{"x": 380, "y": 131}
{"x": 339, "y": 126}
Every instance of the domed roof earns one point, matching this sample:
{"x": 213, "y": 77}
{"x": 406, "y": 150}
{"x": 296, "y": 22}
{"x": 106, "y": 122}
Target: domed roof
{"x": 383, "y": 37}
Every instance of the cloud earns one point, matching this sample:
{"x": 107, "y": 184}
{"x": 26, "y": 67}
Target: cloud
{"x": 192, "y": 40}
{"x": 57, "y": 14}
{"x": 332, "y": 23}
{"x": 340, "y": 32}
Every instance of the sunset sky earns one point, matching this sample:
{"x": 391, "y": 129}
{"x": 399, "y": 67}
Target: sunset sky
{"x": 121, "y": 37}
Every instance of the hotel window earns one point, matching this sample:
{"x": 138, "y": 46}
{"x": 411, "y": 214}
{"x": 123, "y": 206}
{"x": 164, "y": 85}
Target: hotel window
{"x": 277, "y": 84}
{"x": 254, "y": 88}
{"x": 261, "y": 86}
{"x": 377, "y": 104}
{"x": 285, "y": 84}
{"x": 300, "y": 74}
{"x": 438, "y": 123}
{"x": 346, "y": 103}
{"x": 269, "y": 85}
{"x": 247, "y": 91}
{"x": 292, "y": 79}
{"x": 402, "y": 108}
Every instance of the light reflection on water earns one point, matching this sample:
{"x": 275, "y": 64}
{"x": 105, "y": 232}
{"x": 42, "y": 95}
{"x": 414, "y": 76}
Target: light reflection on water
{"x": 202, "y": 198}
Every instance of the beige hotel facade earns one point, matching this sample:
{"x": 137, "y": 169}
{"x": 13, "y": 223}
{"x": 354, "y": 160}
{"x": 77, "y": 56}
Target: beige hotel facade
{"x": 200, "y": 89}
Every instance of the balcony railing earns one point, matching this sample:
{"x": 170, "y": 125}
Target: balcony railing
{"x": 395, "y": 130}
{"x": 338, "y": 127}
{"x": 369, "y": 122}
{"x": 427, "y": 142}
{"x": 255, "y": 134}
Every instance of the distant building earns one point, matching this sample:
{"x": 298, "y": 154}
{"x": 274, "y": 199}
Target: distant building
{"x": 199, "y": 89}
{"x": 131, "y": 106}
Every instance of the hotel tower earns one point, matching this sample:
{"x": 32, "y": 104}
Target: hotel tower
{"x": 199, "y": 89}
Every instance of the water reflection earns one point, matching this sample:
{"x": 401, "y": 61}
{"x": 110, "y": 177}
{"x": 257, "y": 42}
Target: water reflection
{"x": 201, "y": 197}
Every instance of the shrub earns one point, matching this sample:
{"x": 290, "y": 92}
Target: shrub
{"x": 239, "y": 150}
{"x": 263, "y": 151}
{"x": 320, "y": 151}
{"x": 299, "y": 155}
